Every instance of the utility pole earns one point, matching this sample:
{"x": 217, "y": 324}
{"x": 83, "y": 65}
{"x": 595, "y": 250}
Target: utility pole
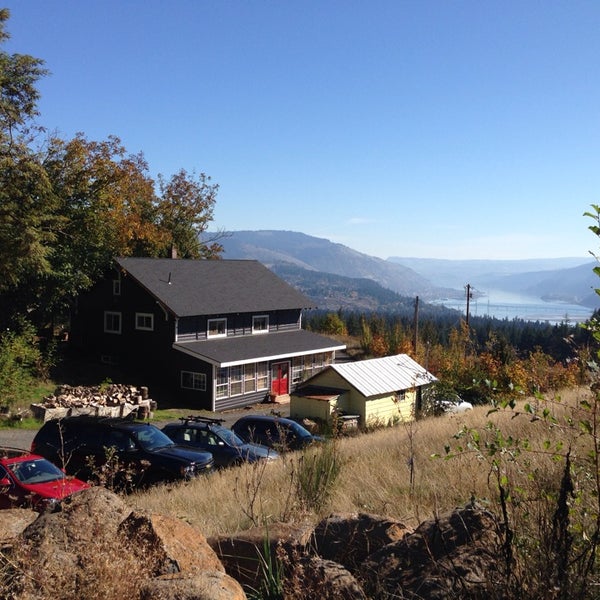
{"x": 469, "y": 296}
{"x": 416, "y": 326}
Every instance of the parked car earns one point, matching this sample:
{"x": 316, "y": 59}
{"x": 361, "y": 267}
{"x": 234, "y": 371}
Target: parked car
{"x": 83, "y": 445}
{"x": 227, "y": 448}
{"x": 441, "y": 398}
{"x": 30, "y": 481}
{"x": 275, "y": 432}
{"x": 455, "y": 405}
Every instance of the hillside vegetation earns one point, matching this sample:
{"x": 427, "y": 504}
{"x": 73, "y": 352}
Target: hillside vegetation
{"x": 534, "y": 464}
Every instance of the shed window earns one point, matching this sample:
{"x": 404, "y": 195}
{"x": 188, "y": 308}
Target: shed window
{"x": 217, "y": 327}
{"x": 144, "y": 321}
{"x": 112, "y": 322}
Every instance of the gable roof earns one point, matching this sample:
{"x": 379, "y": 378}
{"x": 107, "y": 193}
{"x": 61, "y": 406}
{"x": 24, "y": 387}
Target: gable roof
{"x": 207, "y": 287}
{"x": 382, "y": 375}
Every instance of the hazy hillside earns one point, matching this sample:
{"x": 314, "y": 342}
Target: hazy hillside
{"x": 554, "y": 279}
{"x": 336, "y": 276}
{"x": 316, "y": 254}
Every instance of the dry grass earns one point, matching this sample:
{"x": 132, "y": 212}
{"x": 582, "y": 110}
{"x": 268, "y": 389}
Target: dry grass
{"x": 391, "y": 472}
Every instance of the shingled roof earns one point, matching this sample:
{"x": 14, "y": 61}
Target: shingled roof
{"x": 208, "y": 287}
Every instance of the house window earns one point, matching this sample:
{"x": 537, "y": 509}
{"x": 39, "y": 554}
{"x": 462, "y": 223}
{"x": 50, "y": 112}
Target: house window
{"x": 116, "y": 286}
{"x": 144, "y": 321}
{"x": 236, "y": 381}
{"x": 249, "y": 378}
{"x": 217, "y": 327}
{"x": 262, "y": 376}
{"x": 222, "y": 388}
{"x": 193, "y": 381}
{"x": 260, "y": 324}
{"x": 112, "y": 322}
{"x": 297, "y": 369}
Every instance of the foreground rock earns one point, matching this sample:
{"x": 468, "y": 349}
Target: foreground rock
{"x": 349, "y": 538}
{"x": 13, "y": 521}
{"x": 246, "y": 554}
{"x": 97, "y": 547}
{"x": 454, "y": 556}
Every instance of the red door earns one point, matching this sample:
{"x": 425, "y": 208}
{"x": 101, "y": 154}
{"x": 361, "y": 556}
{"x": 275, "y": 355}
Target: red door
{"x": 280, "y": 378}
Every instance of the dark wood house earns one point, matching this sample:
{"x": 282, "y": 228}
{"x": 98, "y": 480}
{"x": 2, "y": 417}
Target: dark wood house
{"x": 219, "y": 333}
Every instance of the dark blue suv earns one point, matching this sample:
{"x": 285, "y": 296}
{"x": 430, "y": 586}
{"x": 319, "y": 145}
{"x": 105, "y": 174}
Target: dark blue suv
{"x": 276, "y": 432}
{"x": 208, "y": 434}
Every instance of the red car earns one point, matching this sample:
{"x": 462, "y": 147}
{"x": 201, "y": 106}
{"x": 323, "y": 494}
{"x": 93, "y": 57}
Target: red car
{"x": 30, "y": 481}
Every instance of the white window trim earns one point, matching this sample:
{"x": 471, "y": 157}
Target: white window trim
{"x": 144, "y": 315}
{"x": 260, "y": 331}
{"x": 113, "y": 313}
{"x": 116, "y": 286}
{"x": 215, "y": 335}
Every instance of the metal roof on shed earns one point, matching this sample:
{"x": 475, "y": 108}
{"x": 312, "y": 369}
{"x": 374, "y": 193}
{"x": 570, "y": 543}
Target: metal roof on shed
{"x": 377, "y": 376}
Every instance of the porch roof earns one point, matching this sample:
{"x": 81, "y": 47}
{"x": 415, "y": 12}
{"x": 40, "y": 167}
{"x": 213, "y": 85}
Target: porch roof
{"x": 231, "y": 351}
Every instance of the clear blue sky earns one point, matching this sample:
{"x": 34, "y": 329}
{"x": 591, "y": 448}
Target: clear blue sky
{"x": 441, "y": 129}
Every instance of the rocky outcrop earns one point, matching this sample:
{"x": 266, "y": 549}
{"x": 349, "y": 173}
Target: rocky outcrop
{"x": 350, "y": 538}
{"x": 98, "y": 543}
{"x": 453, "y": 556}
{"x": 13, "y": 522}
{"x": 97, "y": 546}
{"x": 245, "y": 555}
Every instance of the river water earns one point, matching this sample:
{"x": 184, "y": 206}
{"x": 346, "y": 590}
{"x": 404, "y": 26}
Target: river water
{"x": 504, "y": 305}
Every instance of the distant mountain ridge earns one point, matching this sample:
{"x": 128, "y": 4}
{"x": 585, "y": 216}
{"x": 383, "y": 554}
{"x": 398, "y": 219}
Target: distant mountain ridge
{"x": 338, "y": 276}
{"x": 273, "y": 247}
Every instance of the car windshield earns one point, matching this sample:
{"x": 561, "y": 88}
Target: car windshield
{"x": 38, "y": 470}
{"x": 229, "y": 437}
{"x": 152, "y": 438}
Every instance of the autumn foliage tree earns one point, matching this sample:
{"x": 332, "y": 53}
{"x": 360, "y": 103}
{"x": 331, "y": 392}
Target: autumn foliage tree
{"x": 68, "y": 207}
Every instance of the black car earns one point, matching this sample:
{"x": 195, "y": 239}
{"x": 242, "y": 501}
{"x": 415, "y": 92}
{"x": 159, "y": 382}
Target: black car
{"x": 82, "y": 446}
{"x": 274, "y": 431}
{"x": 209, "y": 434}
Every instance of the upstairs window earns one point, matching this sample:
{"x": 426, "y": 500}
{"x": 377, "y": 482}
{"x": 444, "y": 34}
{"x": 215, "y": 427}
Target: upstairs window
{"x": 144, "y": 321}
{"x": 217, "y": 328}
{"x": 260, "y": 324}
{"x": 112, "y": 322}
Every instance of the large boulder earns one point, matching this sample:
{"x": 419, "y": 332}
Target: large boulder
{"x": 245, "y": 555}
{"x": 453, "y": 556}
{"x": 13, "y": 521}
{"x": 212, "y": 585}
{"x": 348, "y": 538}
{"x": 173, "y": 546}
{"x": 315, "y": 578}
{"x": 98, "y": 547}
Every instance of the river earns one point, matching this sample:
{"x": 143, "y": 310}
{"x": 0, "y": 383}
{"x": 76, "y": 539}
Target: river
{"x": 506, "y": 305}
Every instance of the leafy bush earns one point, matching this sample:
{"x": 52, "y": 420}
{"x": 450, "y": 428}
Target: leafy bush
{"x": 22, "y": 363}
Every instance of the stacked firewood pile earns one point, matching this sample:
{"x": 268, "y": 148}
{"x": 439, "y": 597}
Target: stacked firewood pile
{"x": 106, "y": 400}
